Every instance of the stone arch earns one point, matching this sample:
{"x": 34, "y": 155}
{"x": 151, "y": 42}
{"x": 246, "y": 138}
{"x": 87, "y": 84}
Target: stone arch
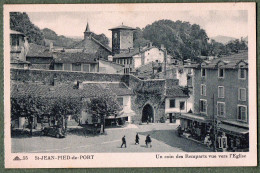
{"x": 148, "y": 113}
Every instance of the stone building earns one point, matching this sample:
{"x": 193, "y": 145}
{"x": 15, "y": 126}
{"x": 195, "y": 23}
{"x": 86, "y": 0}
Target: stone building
{"x": 220, "y": 89}
{"x": 91, "y": 45}
{"x": 19, "y": 49}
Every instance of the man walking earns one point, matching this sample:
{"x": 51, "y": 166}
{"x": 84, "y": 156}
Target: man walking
{"x": 136, "y": 139}
{"x": 123, "y": 142}
{"x": 148, "y": 141}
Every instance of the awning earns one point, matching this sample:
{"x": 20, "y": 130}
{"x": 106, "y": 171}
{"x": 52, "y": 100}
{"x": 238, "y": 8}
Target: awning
{"x": 194, "y": 117}
{"x": 233, "y": 130}
{"x": 124, "y": 113}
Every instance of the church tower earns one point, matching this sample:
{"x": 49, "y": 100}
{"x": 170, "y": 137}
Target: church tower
{"x": 87, "y": 32}
{"x": 122, "y": 39}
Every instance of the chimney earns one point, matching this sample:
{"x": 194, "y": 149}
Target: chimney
{"x": 51, "y": 46}
{"x": 162, "y": 46}
{"x": 79, "y": 85}
{"x": 129, "y": 49}
{"x": 110, "y": 58}
{"x": 55, "y": 82}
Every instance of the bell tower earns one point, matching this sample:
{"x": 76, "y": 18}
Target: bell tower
{"x": 122, "y": 39}
{"x": 87, "y": 32}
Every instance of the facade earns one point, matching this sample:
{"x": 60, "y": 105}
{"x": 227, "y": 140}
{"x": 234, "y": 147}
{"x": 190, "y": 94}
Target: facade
{"x": 220, "y": 89}
{"x": 39, "y": 56}
{"x": 77, "y": 62}
{"x": 90, "y": 45}
{"x": 106, "y": 66}
{"x": 19, "y": 49}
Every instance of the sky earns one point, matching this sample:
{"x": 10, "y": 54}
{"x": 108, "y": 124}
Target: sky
{"x": 232, "y": 23}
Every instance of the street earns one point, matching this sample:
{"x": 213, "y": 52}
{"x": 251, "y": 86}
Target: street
{"x": 164, "y": 139}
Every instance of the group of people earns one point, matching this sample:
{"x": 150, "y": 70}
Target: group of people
{"x": 148, "y": 140}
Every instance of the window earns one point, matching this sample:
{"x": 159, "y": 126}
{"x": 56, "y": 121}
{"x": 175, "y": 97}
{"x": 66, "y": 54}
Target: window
{"x": 203, "y": 72}
{"x": 221, "y": 109}
{"x": 58, "y": 66}
{"x": 242, "y": 94}
{"x": 189, "y": 71}
{"x": 120, "y": 101}
{"x": 203, "y": 90}
{"x": 203, "y": 106}
{"x": 221, "y": 92}
{"x": 182, "y": 105}
{"x": 242, "y": 73}
{"x": 86, "y": 67}
{"x": 92, "y": 67}
{"x": 14, "y": 40}
{"x": 220, "y": 73}
{"x": 130, "y": 61}
{"x": 76, "y": 67}
{"x": 67, "y": 67}
{"x": 172, "y": 103}
{"x": 242, "y": 113}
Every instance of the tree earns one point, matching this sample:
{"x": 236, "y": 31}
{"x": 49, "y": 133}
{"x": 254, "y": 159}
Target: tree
{"x": 62, "y": 107}
{"x": 27, "y": 106}
{"x": 102, "y": 106}
{"x": 21, "y": 22}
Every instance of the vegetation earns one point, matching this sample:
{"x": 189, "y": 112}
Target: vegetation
{"x": 21, "y": 22}
{"x": 102, "y": 106}
{"x": 183, "y": 40}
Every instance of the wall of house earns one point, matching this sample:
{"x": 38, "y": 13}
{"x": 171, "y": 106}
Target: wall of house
{"x": 40, "y": 66}
{"x": 137, "y": 61}
{"x": 58, "y": 67}
{"x": 19, "y": 51}
{"x": 153, "y": 54}
{"x": 231, "y": 84}
{"x": 107, "y": 67}
{"x": 177, "y": 105}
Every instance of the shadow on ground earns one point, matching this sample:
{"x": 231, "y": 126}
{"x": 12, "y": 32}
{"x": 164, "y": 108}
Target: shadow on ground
{"x": 20, "y": 133}
{"x": 170, "y": 138}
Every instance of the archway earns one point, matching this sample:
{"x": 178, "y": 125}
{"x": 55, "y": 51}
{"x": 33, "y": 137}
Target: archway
{"x": 148, "y": 114}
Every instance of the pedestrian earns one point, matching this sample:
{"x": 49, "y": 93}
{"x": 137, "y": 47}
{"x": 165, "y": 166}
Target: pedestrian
{"x": 123, "y": 142}
{"x": 179, "y": 130}
{"x": 136, "y": 139}
{"x": 148, "y": 141}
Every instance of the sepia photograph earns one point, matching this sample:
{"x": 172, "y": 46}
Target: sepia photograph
{"x": 176, "y": 83}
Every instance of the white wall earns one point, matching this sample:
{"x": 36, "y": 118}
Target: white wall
{"x": 137, "y": 61}
{"x": 153, "y": 54}
{"x": 177, "y": 105}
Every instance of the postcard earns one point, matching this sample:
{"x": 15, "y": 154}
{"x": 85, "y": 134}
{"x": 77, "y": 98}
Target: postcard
{"x": 130, "y": 85}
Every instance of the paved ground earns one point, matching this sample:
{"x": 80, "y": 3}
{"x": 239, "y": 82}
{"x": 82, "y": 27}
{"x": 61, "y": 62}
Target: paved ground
{"x": 164, "y": 139}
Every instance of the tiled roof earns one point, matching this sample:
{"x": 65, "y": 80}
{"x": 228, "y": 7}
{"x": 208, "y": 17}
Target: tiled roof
{"x": 175, "y": 91}
{"x": 78, "y": 57}
{"x": 68, "y": 90}
{"x": 123, "y": 27}
{"x": 230, "y": 61}
{"x": 102, "y": 45}
{"x": 38, "y": 51}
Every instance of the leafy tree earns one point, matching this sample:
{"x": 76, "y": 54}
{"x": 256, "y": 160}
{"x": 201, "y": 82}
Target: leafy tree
{"x": 102, "y": 106}
{"x": 21, "y": 22}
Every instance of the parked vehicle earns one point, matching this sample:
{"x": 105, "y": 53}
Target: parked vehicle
{"x": 54, "y": 131}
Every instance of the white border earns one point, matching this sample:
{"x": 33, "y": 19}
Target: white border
{"x": 135, "y": 159}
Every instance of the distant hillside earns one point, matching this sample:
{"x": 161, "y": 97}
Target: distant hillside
{"x": 60, "y": 41}
{"x": 223, "y": 39}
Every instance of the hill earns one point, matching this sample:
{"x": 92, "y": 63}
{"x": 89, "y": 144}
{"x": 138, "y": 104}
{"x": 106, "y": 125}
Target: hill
{"x": 223, "y": 39}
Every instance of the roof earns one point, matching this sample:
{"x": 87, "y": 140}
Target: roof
{"x": 78, "y": 57}
{"x": 195, "y": 117}
{"x": 175, "y": 91}
{"x": 102, "y": 45}
{"x": 145, "y": 71}
{"x": 16, "y": 32}
{"x": 230, "y": 61}
{"x": 118, "y": 88}
{"x": 233, "y": 129}
{"x": 123, "y": 27}
{"x": 89, "y": 90}
{"x": 18, "y": 61}
{"x": 87, "y": 28}
{"x": 38, "y": 51}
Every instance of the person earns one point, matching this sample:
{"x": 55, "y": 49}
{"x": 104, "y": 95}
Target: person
{"x": 148, "y": 141}
{"x": 136, "y": 138}
{"x": 123, "y": 142}
{"x": 179, "y": 130}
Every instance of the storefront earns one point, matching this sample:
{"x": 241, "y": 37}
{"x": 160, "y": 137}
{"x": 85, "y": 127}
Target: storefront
{"x": 195, "y": 126}
{"x": 237, "y": 137}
